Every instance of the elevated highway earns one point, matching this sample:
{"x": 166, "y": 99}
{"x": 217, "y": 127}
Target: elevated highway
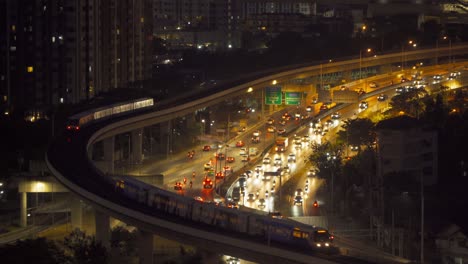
{"x": 68, "y": 159}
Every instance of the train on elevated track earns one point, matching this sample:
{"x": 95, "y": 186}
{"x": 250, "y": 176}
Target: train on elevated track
{"x": 77, "y": 121}
{"x": 257, "y": 224}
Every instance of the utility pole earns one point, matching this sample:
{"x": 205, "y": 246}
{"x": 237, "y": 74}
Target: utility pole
{"x": 422, "y": 219}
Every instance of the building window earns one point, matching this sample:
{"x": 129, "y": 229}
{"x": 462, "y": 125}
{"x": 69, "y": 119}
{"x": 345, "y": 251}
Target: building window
{"x": 30, "y": 69}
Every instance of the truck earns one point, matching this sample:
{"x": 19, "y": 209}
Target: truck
{"x": 281, "y": 144}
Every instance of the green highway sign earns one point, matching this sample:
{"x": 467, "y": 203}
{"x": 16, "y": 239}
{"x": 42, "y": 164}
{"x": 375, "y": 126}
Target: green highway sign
{"x": 292, "y": 98}
{"x": 273, "y": 95}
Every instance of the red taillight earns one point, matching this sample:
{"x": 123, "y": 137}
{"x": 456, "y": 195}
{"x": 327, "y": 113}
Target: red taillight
{"x": 77, "y": 128}
{"x": 69, "y": 128}
{"x": 332, "y": 237}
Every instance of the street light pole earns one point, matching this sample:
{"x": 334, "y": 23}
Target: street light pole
{"x": 360, "y": 61}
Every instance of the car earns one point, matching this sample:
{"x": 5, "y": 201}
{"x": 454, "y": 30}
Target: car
{"x": 437, "y": 78}
{"x": 230, "y": 159}
{"x": 309, "y": 108}
{"x": 335, "y": 116}
{"x": 272, "y": 189}
{"x": 453, "y": 75}
{"x": 232, "y": 205}
{"x": 240, "y": 144}
{"x": 242, "y": 129}
{"x": 306, "y": 139}
{"x": 298, "y": 200}
{"x": 286, "y": 116}
{"x": 278, "y": 161}
{"x": 266, "y": 160}
{"x": 404, "y": 79}
{"x": 298, "y": 191}
{"x": 363, "y": 105}
{"x": 382, "y": 97}
{"x": 270, "y": 121}
{"x": 271, "y": 129}
{"x": 297, "y": 145}
{"x": 281, "y": 131}
{"x": 206, "y": 148}
{"x": 198, "y": 198}
{"x": 297, "y": 116}
{"x": 178, "y": 186}
{"x": 261, "y": 203}
{"x": 243, "y": 151}
{"x": 258, "y": 168}
{"x": 219, "y": 175}
{"x": 207, "y": 183}
{"x": 282, "y": 122}
{"x": 311, "y": 173}
{"x": 292, "y": 157}
{"x": 323, "y": 107}
{"x": 361, "y": 92}
{"x": 329, "y": 123}
{"x": 306, "y": 188}
{"x": 220, "y": 156}
{"x": 343, "y": 88}
{"x": 256, "y": 133}
{"x": 245, "y": 158}
{"x": 314, "y": 100}
{"x": 285, "y": 170}
{"x": 373, "y": 85}
{"x": 233, "y": 260}
{"x": 207, "y": 166}
{"x": 255, "y": 140}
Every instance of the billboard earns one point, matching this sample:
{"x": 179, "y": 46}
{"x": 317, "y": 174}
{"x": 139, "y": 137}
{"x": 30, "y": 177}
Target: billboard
{"x": 292, "y": 98}
{"x": 273, "y": 95}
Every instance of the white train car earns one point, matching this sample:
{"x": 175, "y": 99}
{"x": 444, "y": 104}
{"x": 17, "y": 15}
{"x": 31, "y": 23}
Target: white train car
{"x": 79, "y": 120}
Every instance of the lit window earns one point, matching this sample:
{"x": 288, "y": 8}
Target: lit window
{"x": 13, "y": 28}
{"x": 118, "y": 31}
{"x": 53, "y": 39}
{"x": 142, "y": 19}
{"x": 61, "y": 100}
{"x": 30, "y": 69}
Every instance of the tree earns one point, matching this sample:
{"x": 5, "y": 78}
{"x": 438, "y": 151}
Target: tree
{"x": 357, "y": 132}
{"x": 85, "y": 249}
{"x": 38, "y": 251}
{"x": 409, "y": 103}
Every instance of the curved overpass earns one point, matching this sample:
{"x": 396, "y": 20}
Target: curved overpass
{"x": 69, "y": 161}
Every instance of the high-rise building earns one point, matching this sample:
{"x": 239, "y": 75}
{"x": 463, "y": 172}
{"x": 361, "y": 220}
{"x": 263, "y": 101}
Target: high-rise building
{"x": 57, "y": 51}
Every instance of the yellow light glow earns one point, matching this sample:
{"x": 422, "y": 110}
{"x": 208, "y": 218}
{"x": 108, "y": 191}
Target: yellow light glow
{"x": 250, "y": 89}
{"x": 30, "y": 69}
{"x": 38, "y": 187}
{"x": 274, "y": 82}
{"x": 401, "y": 113}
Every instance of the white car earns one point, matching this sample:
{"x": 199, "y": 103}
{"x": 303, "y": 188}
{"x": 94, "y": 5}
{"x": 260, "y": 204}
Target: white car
{"x": 278, "y": 161}
{"x": 363, "y": 105}
{"x": 243, "y": 151}
{"x": 292, "y": 157}
{"x": 373, "y": 85}
{"x": 335, "y": 116}
{"x": 266, "y": 160}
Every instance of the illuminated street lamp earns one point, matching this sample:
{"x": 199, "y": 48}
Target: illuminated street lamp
{"x": 403, "y": 59}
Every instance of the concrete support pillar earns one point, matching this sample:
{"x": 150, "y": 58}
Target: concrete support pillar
{"x": 76, "y": 207}
{"x": 109, "y": 154}
{"x": 145, "y": 245}
{"x": 90, "y": 152}
{"x": 102, "y": 228}
{"x": 24, "y": 209}
{"x": 137, "y": 145}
